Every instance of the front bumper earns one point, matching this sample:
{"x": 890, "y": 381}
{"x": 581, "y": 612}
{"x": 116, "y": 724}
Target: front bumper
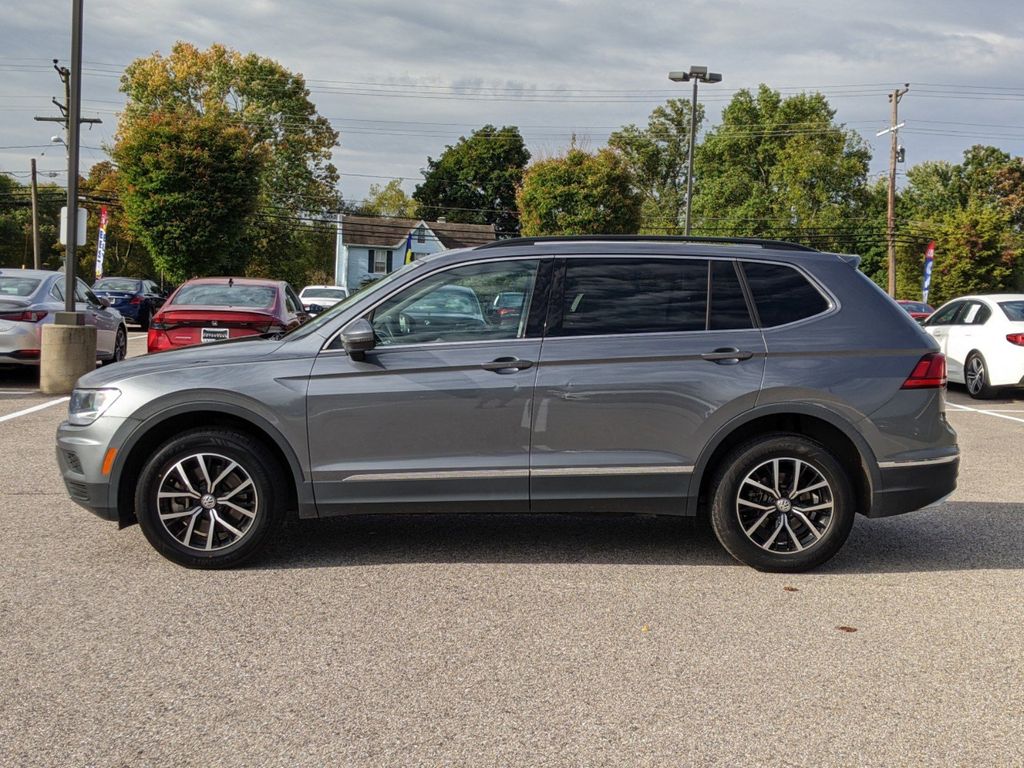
{"x": 80, "y": 455}
{"x": 907, "y": 486}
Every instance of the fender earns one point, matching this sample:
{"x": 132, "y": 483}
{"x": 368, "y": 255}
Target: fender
{"x": 814, "y": 409}
{"x": 156, "y": 412}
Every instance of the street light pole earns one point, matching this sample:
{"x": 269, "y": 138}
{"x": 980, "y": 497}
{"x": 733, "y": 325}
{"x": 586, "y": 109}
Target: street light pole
{"x": 697, "y": 75}
{"x": 74, "y": 132}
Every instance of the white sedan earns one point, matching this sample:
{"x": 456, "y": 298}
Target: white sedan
{"x": 323, "y": 296}
{"x": 983, "y": 340}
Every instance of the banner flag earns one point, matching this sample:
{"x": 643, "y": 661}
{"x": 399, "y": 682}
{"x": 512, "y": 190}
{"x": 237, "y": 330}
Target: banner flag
{"x": 929, "y": 259}
{"x": 408, "y": 249}
{"x": 101, "y": 242}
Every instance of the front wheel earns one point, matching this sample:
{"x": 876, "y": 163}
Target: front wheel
{"x": 782, "y": 503}
{"x": 120, "y": 351}
{"x": 210, "y": 498}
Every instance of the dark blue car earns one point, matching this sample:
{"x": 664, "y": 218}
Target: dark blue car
{"x": 138, "y": 300}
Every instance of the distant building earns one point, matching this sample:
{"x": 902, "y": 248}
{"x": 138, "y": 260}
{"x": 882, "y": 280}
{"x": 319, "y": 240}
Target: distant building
{"x": 372, "y": 246}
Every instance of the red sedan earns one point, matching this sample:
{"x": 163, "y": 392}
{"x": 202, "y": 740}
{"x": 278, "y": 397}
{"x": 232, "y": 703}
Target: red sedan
{"x": 916, "y": 309}
{"x": 220, "y": 308}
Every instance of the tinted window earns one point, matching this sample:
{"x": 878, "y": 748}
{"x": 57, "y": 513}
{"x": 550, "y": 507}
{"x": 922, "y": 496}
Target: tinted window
{"x": 636, "y": 295}
{"x": 448, "y": 305}
{"x": 116, "y": 284}
{"x": 323, "y": 293}
{"x": 975, "y": 313}
{"x": 1014, "y": 310}
{"x": 946, "y": 314}
{"x": 782, "y": 295}
{"x": 224, "y": 295}
{"x": 728, "y": 306}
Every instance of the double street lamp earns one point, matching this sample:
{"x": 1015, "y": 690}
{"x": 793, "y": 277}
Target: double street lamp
{"x": 697, "y": 75}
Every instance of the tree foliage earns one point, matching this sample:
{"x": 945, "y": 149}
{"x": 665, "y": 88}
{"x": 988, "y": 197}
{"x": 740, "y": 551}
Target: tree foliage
{"x": 657, "y": 155}
{"x": 388, "y": 200}
{"x": 580, "y": 193}
{"x": 781, "y": 167}
{"x": 295, "y": 179}
{"x": 189, "y": 187}
{"x": 474, "y": 181}
{"x": 16, "y": 223}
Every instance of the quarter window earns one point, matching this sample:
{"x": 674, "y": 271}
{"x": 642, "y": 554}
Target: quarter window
{"x": 633, "y": 295}
{"x": 458, "y": 305}
{"x": 781, "y": 294}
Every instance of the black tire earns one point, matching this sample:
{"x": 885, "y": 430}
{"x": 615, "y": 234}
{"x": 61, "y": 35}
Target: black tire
{"x": 976, "y": 377}
{"x": 120, "y": 351}
{"x": 145, "y": 315}
{"x": 738, "y": 472}
{"x": 265, "y": 497}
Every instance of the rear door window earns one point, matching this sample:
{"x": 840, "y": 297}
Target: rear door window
{"x": 781, "y": 294}
{"x": 946, "y": 314}
{"x": 633, "y": 295}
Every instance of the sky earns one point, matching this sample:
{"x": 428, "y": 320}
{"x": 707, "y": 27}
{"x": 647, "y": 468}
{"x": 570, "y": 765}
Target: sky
{"x": 402, "y": 80}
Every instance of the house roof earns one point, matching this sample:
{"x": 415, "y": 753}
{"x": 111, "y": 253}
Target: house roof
{"x": 389, "y": 232}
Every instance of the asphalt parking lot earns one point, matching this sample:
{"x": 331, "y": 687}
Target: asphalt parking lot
{"x": 508, "y": 641}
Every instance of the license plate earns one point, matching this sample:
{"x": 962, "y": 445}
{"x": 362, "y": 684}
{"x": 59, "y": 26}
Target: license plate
{"x": 213, "y": 334}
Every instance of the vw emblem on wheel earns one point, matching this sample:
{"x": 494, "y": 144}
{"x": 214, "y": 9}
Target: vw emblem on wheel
{"x": 784, "y": 505}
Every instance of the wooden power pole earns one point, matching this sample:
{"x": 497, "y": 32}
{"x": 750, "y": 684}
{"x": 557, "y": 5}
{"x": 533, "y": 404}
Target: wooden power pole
{"x": 35, "y": 219}
{"x": 892, "y": 130}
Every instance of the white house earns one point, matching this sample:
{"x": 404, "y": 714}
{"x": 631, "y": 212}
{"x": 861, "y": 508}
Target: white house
{"x": 371, "y": 246}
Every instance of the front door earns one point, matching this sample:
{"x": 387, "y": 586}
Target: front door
{"x": 637, "y": 370}
{"x": 437, "y": 416}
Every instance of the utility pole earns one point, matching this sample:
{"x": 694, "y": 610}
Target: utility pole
{"x": 35, "y": 219}
{"x": 892, "y": 130}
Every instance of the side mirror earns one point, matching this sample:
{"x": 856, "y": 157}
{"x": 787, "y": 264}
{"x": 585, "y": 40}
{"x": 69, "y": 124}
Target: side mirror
{"x": 358, "y": 338}
{"x": 314, "y": 309}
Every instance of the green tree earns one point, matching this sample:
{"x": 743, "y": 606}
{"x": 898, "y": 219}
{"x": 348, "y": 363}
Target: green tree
{"x": 125, "y": 254}
{"x": 297, "y": 180}
{"x": 474, "y": 181}
{"x": 580, "y": 193}
{"x": 657, "y": 156}
{"x": 16, "y": 223}
{"x": 189, "y": 186}
{"x": 781, "y": 167}
{"x": 389, "y": 200}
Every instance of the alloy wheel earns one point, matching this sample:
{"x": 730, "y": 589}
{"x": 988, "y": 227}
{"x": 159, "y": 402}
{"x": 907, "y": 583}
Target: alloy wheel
{"x": 207, "y": 502}
{"x": 975, "y": 375}
{"x": 785, "y": 505}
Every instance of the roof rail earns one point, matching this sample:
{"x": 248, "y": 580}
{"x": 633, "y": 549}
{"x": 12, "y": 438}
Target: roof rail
{"x": 781, "y": 245}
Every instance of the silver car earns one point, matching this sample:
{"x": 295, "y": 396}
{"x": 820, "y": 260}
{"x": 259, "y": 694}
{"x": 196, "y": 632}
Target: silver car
{"x": 767, "y": 386}
{"x": 30, "y": 298}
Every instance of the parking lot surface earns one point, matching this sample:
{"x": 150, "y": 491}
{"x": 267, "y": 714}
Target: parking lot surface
{"x": 507, "y": 641}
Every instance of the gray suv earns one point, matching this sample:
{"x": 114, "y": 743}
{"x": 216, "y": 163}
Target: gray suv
{"x": 768, "y": 386}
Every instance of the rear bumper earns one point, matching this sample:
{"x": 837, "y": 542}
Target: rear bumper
{"x": 907, "y": 486}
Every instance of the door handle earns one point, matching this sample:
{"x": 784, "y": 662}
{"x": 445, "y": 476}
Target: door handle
{"x": 726, "y": 355}
{"x": 507, "y": 365}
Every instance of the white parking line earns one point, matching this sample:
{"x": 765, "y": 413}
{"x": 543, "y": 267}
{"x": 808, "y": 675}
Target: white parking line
{"x": 998, "y": 415}
{"x": 34, "y": 408}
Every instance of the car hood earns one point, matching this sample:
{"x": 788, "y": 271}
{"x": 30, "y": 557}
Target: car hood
{"x": 226, "y": 352}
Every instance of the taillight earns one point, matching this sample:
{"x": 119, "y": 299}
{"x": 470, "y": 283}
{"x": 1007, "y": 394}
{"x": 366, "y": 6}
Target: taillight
{"x": 1016, "y": 338}
{"x": 136, "y": 300}
{"x": 28, "y": 316}
{"x": 157, "y": 325}
{"x": 929, "y": 373}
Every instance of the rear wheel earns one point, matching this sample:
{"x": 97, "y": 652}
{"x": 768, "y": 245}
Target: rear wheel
{"x": 782, "y": 503}
{"x": 976, "y": 377}
{"x": 210, "y": 498}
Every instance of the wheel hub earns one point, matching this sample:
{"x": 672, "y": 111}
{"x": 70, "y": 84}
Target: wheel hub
{"x": 784, "y": 505}
{"x": 208, "y": 501}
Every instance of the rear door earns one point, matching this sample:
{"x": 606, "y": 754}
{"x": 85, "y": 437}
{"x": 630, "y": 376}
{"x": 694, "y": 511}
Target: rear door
{"x": 965, "y": 334}
{"x": 643, "y": 359}
{"x": 939, "y": 326}
{"x": 437, "y": 416}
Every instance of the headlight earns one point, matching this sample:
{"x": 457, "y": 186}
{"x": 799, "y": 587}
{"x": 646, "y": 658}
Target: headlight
{"x": 87, "y": 405}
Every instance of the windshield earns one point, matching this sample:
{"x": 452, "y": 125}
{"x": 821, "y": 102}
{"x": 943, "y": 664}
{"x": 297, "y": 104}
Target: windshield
{"x": 1013, "y": 309}
{"x": 323, "y": 293}
{"x": 116, "y": 284}
{"x": 336, "y": 309}
{"x": 17, "y": 286}
{"x": 224, "y": 295}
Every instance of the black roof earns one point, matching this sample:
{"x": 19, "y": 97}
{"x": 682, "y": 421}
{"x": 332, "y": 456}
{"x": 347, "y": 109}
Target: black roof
{"x": 778, "y": 245}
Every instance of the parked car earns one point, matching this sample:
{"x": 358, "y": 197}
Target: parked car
{"x": 651, "y": 375}
{"x": 317, "y": 298}
{"x": 916, "y": 309}
{"x": 135, "y": 298}
{"x": 507, "y": 307}
{"x": 29, "y": 299}
{"x": 983, "y": 340}
{"x": 221, "y": 308}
